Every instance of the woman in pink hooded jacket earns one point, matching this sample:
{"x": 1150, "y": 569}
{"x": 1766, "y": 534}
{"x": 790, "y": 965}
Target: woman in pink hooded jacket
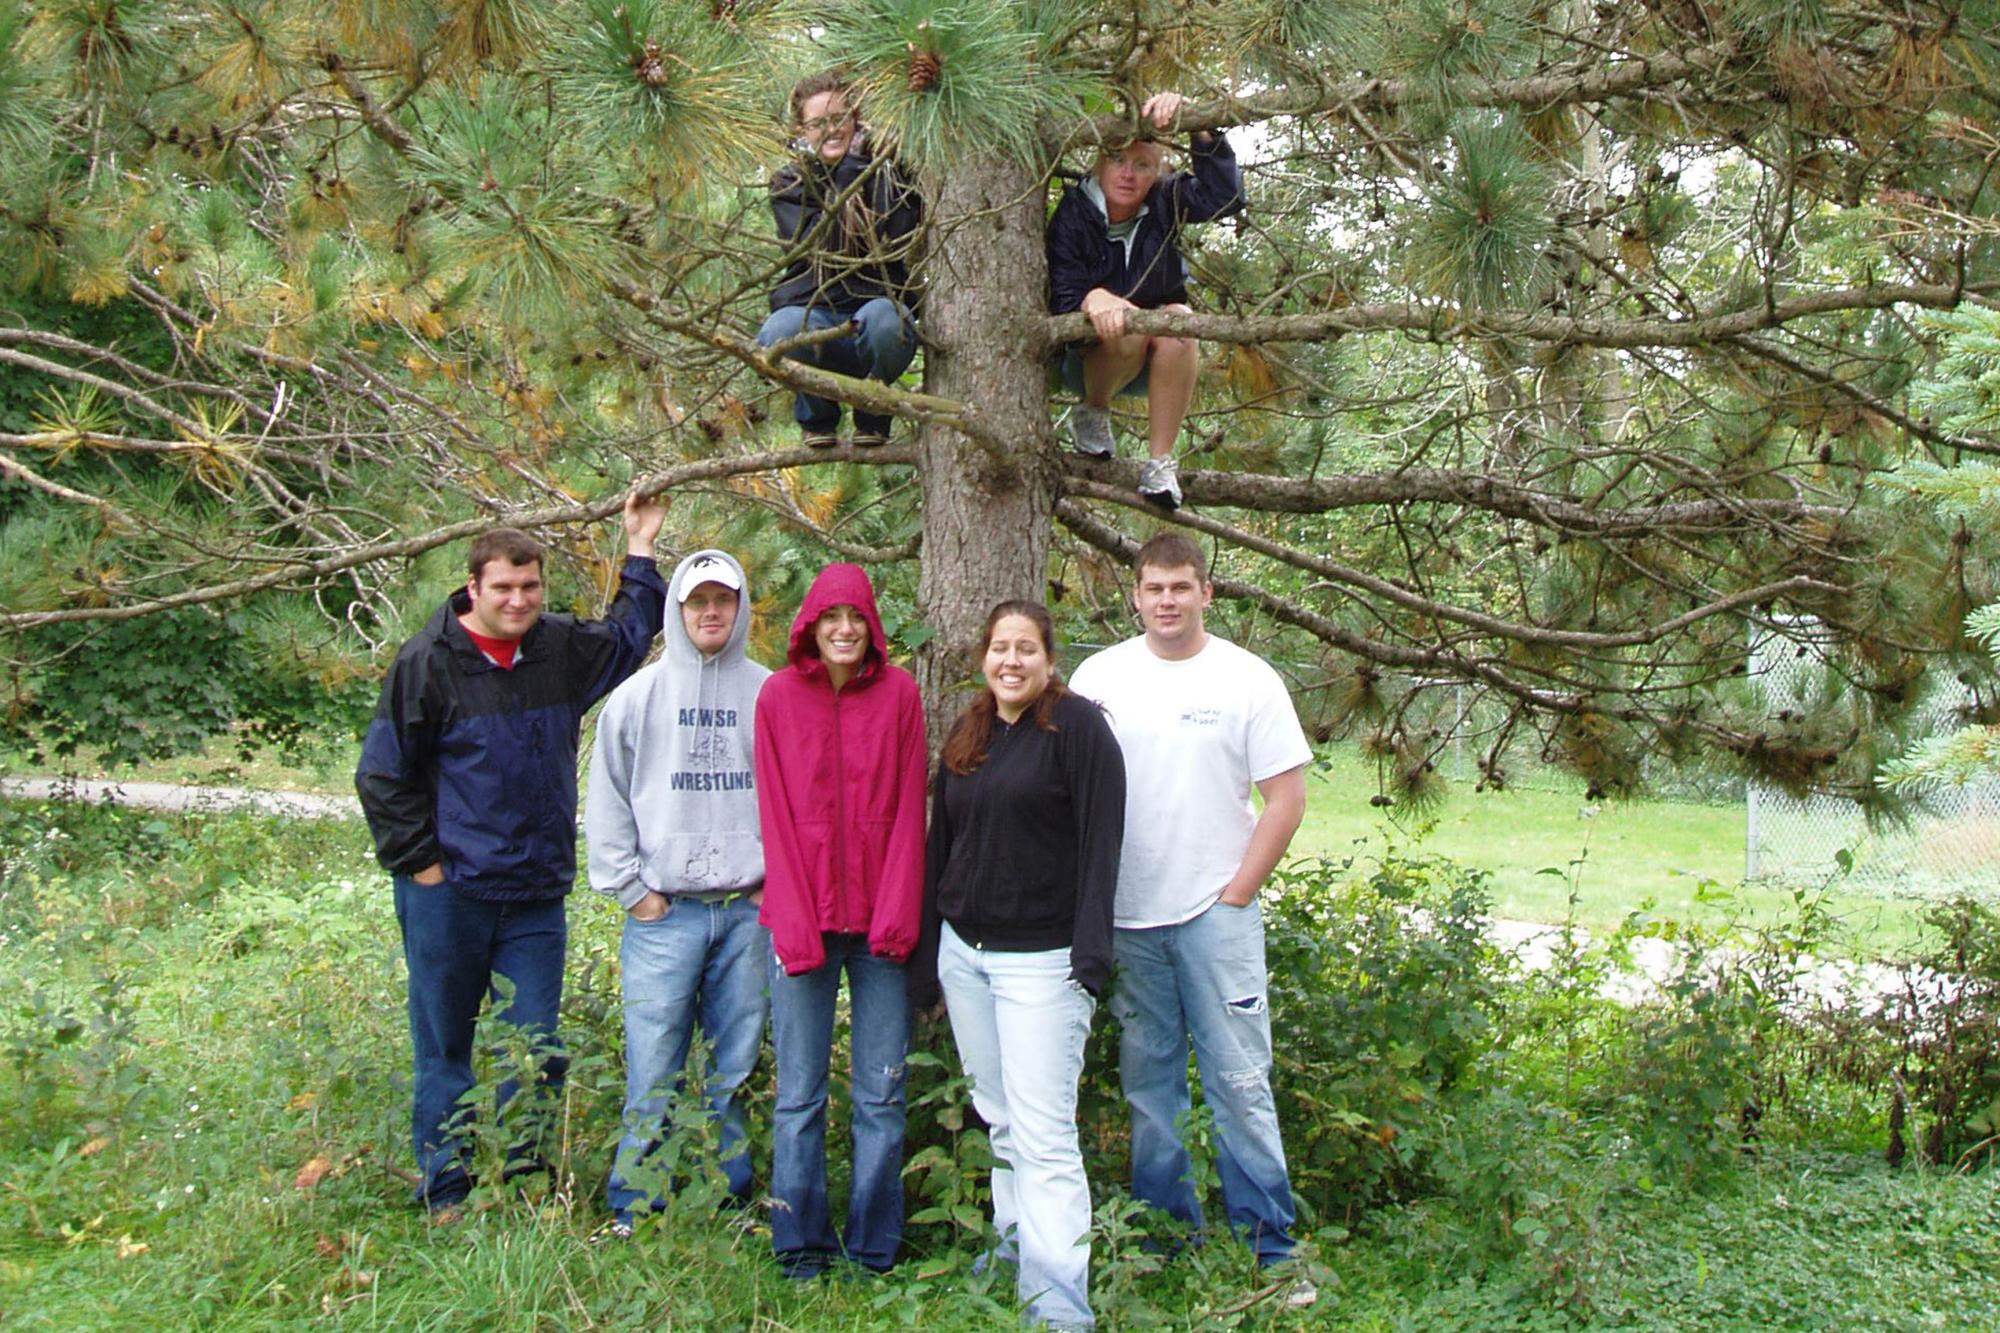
{"x": 840, "y": 763}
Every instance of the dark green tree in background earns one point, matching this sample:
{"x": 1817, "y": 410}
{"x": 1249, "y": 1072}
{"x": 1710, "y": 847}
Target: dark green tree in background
{"x": 1564, "y": 345}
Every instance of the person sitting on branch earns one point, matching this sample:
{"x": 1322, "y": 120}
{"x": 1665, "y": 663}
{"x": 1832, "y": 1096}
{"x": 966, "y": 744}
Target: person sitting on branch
{"x": 850, "y": 219}
{"x": 1113, "y": 247}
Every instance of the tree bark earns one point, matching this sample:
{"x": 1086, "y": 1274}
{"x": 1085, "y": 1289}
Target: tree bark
{"x": 987, "y": 507}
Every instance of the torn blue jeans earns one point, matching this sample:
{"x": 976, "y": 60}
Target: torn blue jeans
{"x": 1204, "y": 981}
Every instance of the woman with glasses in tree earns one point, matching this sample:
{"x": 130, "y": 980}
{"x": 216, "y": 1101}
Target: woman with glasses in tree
{"x": 850, "y": 221}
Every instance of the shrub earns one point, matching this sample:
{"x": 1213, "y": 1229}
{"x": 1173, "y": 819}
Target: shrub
{"x": 1386, "y": 988}
{"x": 1946, "y": 1025}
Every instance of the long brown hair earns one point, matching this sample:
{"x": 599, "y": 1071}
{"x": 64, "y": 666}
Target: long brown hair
{"x": 965, "y": 747}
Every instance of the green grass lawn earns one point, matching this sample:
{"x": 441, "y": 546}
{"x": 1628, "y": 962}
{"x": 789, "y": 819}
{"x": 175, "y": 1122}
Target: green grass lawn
{"x": 1684, "y": 857}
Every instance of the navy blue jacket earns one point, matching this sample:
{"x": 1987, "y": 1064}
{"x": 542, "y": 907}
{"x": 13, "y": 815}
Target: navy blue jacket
{"x": 473, "y": 766}
{"x": 833, "y": 271}
{"x": 1082, "y": 254}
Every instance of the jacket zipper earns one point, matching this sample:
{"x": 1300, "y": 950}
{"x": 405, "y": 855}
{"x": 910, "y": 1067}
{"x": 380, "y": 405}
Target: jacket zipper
{"x": 839, "y": 820}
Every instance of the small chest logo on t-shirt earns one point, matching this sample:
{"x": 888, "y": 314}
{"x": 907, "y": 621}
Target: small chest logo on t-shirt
{"x": 1200, "y": 717}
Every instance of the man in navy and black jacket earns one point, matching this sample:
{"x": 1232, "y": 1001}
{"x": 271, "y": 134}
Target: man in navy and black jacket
{"x": 1114, "y": 247}
{"x": 468, "y": 779}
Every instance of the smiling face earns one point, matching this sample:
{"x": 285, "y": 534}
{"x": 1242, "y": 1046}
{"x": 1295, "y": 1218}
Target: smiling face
{"x": 1017, "y": 665}
{"x": 506, "y": 598}
{"x": 826, "y": 123}
{"x": 1170, "y": 603}
{"x": 709, "y": 616}
{"x": 1127, "y": 177}
{"x": 841, "y": 633}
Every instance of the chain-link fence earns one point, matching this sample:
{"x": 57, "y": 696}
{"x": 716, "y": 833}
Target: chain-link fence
{"x": 1950, "y": 845}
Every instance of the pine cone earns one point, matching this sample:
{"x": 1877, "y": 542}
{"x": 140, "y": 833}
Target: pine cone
{"x": 925, "y": 66}
{"x": 648, "y": 65}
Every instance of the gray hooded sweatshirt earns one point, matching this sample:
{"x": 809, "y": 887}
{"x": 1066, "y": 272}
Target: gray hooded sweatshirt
{"x": 672, "y": 805}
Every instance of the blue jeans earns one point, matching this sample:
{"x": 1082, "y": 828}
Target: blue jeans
{"x": 701, "y": 961}
{"x": 1204, "y": 979}
{"x": 802, "y": 1037}
{"x": 1020, "y": 1025}
{"x": 455, "y": 947}
{"x": 881, "y": 348}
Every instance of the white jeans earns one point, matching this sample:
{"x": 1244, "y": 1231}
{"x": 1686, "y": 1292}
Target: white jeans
{"x": 1020, "y": 1025}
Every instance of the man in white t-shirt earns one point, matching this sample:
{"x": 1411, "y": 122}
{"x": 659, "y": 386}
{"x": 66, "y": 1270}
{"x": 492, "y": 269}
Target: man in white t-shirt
{"x": 1200, "y": 721}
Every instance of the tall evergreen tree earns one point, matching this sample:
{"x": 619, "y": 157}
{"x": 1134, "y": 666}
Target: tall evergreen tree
{"x": 1560, "y": 338}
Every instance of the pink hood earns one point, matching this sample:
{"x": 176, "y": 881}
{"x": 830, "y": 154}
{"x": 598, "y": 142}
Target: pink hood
{"x": 837, "y": 583}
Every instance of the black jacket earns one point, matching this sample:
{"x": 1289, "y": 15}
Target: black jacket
{"x": 825, "y": 270}
{"x": 1082, "y": 254}
{"x": 473, "y": 766}
{"x": 1023, "y": 851}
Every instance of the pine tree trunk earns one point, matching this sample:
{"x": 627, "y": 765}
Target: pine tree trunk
{"x": 986, "y": 510}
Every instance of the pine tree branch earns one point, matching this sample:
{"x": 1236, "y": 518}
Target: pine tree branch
{"x": 382, "y": 125}
{"x": 1518, "y": 632}
{"x": 873, "y": 395}
{"x": 21, "y": 472}
{"x": 302, "y": 571}
{"x": 57, "y": 342}
{"x": 1922, "y": 428}
{"x": 123, "y": 392}
{"x": 1421, "y": 661}
{"x": 1600, "y": 80}
{"x": 1476, "y": 490}
{"x": 1574, "y": 700}
{"x": 1440, "y": 323}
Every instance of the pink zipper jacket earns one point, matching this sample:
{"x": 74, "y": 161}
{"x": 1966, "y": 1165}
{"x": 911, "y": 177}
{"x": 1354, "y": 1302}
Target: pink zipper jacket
{"x": 840, "y": 791}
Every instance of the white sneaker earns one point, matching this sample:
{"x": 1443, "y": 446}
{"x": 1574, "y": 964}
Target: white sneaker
{"x": 1301, "y": 1294}
{"x": 1090, "y": 431}
{"x": 1160, "y": 482}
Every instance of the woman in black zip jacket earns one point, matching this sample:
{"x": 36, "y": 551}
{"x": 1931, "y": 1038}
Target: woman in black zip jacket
{"x": 1027, "y": 816}
{"x": 849, "y": 219}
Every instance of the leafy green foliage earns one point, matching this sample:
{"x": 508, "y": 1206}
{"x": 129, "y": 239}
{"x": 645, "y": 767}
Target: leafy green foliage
{"x": 1386, "y": 989}
{"x": 1946, "y": 1024}
{"x": 203, "y": 1111}
{"x": 520, "y": 228}
{"x": 1486, "y": 236}
{"x": 1966, "y": 393}
{"x": 1288, "y": 35}
{"x": 160, "y": 686}
{"x": 25, "y": 108}
{"x": 1440, "y": 43}
{"x": 678, "y": 90}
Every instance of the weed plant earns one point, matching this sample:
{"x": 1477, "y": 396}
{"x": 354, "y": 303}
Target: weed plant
{"x": 204, "y": 1097}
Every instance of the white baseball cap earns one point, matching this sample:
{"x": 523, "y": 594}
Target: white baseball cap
{"x": 710, "y": 569}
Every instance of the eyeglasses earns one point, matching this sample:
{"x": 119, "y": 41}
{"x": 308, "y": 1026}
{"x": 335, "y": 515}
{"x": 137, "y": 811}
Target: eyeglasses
{"x": 821, "y": 124}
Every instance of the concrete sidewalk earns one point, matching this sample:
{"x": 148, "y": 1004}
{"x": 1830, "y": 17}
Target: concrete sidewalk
{"x": 174, "y": 797}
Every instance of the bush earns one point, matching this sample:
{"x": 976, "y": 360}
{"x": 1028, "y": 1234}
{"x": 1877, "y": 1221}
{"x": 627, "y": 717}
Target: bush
{"x": 1386, "y": 989}
{"x": 1945, "y": 1023}
{"x": 159, "y": 686}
